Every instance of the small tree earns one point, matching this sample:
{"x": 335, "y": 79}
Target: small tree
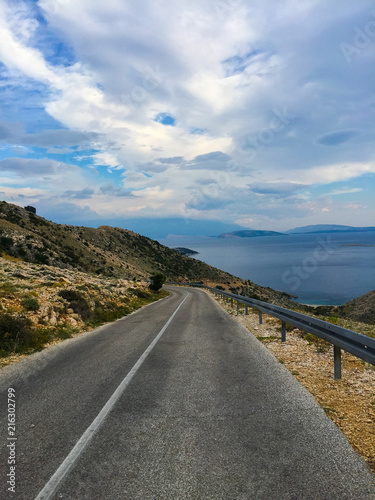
{"x": 157, "y": 281}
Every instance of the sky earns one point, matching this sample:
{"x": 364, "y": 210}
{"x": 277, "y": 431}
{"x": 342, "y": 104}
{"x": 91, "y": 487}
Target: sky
{"x": 189, "y": 116}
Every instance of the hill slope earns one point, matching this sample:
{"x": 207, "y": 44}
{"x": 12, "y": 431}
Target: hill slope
{"x": 107, "y": 251}
{"x": 118, "y": 253}
{"x": 361, "y": 309}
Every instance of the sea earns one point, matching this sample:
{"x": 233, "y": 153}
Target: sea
{"x": 316, "y": 268}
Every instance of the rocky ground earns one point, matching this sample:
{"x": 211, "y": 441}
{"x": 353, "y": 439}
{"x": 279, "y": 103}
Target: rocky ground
{"x": 44, "y": 303}
{"x": 349, "y": 402}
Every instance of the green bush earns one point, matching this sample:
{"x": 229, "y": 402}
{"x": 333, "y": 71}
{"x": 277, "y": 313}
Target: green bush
{"x": 77, "y": 302}
{"x": 70, "y": 295}
{"x": 41, "y": 258}
{"x": 30, "y": 303}
{"x": 141, "y": 294}
{"x": 5, "y": 243}
{"x": 109, "y": 313}
{"x": 7, "y": 289}
{"x": 157, "y": 281}
{"x": 15, "y": 333}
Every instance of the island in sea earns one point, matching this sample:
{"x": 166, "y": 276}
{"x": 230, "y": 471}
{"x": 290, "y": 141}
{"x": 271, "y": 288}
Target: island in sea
{"x": 249, "y": 233}
{"x": 185, "y": 251}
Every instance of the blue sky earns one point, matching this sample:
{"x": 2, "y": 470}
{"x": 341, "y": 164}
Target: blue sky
{"x": 254, "y": 114}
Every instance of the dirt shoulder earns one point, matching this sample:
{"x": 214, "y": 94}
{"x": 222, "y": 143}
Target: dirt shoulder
{"x": 349, "y": 402}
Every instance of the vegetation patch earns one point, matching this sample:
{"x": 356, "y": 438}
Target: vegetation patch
{"x": 270, "y": 338}
{"x": 77, "y": 302}
{"x": 30, "y": 303}
{"x": 59, "y": 309}
{"x": 15, "y": 334}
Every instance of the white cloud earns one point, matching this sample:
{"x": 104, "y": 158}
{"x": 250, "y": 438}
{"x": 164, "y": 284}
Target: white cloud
{"x": 35, "y": 167}
{"x": 265, "y": 84}
{"x": 15, "y": 194}
{"x": 328, "y": 174}
{"x": 344, "y": 191}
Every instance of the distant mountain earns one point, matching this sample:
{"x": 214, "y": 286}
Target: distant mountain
{"x": 249, "y": 233}
{"x": 328, "y": 228}
{"x": 159, "y": 228}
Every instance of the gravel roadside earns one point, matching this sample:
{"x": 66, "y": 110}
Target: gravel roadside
{"x": 349, "y": 402}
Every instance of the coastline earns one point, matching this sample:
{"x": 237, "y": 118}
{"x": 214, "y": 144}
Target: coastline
{"x": 344, "y": 271}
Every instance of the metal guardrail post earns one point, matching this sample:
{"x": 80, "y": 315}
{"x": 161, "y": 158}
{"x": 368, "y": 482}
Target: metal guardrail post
{"x": 283, "y": 331}
{"x": 246, "y": 309}
{"x": 359, "y": 345}
{"x": 337, "y": 362}
{"x": 231, "y": 303}
{"x": 238, "y": 305}
{"x": 260, "y": 318}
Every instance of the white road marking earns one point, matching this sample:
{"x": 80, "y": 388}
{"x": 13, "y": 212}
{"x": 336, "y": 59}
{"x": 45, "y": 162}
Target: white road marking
{"x": 50, "y": 488}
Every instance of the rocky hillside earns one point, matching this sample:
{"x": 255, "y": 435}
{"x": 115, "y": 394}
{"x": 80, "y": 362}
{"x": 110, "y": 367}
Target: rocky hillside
{"x": 361, "y": 309}
{"x": 40, "y": 304}
{"x": 105, "y": 251}
{"x": 108, "y": 252}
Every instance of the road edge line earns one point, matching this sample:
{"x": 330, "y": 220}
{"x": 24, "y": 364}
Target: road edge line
{"x": 51, "y": 486}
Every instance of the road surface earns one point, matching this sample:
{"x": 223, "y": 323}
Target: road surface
{"x": 175, "y": 401}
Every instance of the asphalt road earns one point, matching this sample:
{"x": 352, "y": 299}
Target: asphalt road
{"x": 209, "y": 414}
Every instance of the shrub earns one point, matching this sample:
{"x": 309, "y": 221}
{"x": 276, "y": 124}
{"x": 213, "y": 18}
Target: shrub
{"x": 157, "y": 281}
{"x": 70, "y": 295}
{"x": 77, "y": 302}
{"x": 110, "y": 312}
{"x": 30, "y": 303}
{"x": 41, "y": 258}
{"x": 7, "y": 289}
{"x": 142, "y": 294}
{"x": 15, "y": 332}
{"x": 5, "y": 242}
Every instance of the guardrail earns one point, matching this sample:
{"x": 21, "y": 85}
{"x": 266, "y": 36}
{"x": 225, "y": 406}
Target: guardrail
{"x": 361, "y": 346}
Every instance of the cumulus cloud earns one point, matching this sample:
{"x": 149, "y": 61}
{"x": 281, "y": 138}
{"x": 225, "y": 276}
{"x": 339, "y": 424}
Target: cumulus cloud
{"x": 216, "y": 160}
{"x": 82, "y": 194}
{"x": 111, "y": 189}
{"x": 175, "y": 160}
{"x": 60, "y": 137}
{"x": 233, "y": 102}
{"x": 34, "y": 167}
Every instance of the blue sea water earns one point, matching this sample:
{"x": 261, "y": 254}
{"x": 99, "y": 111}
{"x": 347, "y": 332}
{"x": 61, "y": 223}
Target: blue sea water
{"x": 318, "y": 268}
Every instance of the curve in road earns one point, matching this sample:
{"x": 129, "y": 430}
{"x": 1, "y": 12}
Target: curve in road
{"x": 209, "y": 413}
